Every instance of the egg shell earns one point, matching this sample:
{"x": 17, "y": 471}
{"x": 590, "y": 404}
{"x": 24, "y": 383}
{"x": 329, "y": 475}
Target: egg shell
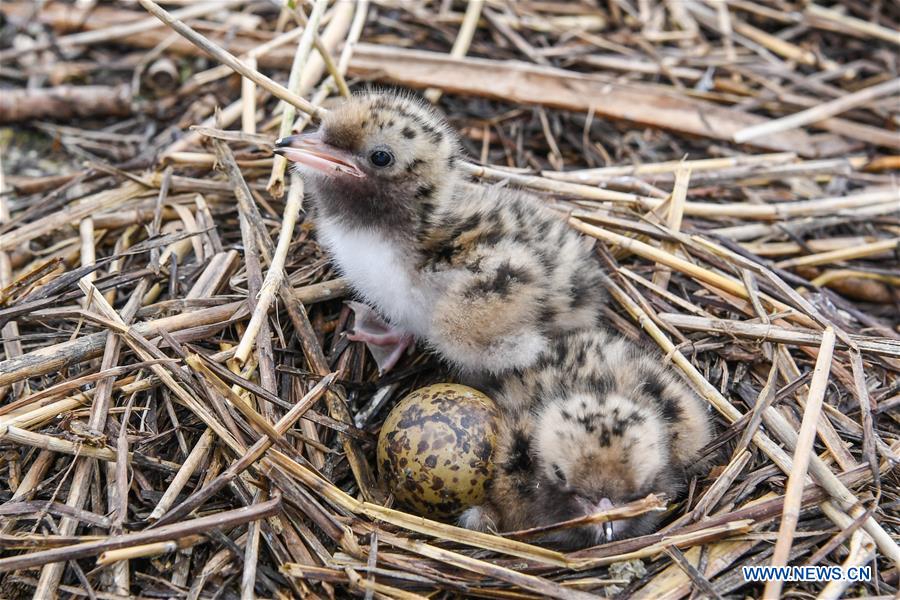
{"x": 435, "y": 449}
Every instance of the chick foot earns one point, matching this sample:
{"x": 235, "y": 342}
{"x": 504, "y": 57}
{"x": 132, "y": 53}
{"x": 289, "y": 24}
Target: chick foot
{"x": 386, "y": 343}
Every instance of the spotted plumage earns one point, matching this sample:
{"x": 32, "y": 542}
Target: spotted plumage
{"x": 483, "y": 276}
{"x": 597, "y": 421}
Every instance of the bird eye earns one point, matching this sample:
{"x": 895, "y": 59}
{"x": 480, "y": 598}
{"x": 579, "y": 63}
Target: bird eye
{"x": 559, "y": 473}
{"x": 381, "y": 158}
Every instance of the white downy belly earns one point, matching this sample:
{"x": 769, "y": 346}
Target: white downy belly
{"x": 377, "y": 270}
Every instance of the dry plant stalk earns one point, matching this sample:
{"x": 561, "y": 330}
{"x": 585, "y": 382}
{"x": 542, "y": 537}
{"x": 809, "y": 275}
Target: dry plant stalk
{"x": 181, "y": 414}
{"x": 462, "y": 42}
{"x": 304, "y": 47}
{"x": 802, "y": 451}
{"x": 674, "y": 215}
{"x": 275, "y": 275}
{"x": 820, "y": 112}
{"x": 223, "y": 56}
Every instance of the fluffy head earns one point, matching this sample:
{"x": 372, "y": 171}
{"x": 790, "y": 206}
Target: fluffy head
{"x": 378, "y": 159}
{"x": 592, "y": 455}
{"x": 616, "y": 451}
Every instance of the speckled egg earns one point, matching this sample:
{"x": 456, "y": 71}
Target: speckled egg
{"x": 435, "y": 448}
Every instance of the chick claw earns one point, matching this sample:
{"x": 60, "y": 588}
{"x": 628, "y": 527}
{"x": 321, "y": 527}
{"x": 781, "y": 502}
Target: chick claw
{"x": 386, "y": 343}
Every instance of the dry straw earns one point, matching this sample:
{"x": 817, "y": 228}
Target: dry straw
{"x": 181, "y": 413}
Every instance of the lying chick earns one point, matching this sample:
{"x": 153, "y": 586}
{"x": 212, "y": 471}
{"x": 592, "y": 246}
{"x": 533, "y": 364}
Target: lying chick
{"x": 483, "y": 276}
{"x": 596, "y": 422}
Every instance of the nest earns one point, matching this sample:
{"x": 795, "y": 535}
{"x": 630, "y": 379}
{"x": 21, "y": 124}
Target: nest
{"x": 181, "y": 416}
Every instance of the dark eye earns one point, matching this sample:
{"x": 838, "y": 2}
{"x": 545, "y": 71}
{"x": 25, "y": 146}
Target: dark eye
{"x": 381, "y": 158}
{"x": 559, "y": 473}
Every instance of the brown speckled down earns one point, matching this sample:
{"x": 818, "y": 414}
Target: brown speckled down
{"x": 483, "y": 276}
{"x": 597, "y": 417}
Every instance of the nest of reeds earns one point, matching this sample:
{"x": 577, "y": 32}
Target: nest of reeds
{"x": 181, "y": 416}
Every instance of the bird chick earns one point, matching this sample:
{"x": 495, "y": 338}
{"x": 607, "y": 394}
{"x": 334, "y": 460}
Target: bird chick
{"x": 596, "y": 422}
{"x": 483, "y": 276}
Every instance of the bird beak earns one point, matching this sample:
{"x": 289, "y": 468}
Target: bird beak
{"x": 605, "y": 530}
{"x": 308, "y": 149}
{"x": 608, "y": 531}
{"x": 607, "y": 527}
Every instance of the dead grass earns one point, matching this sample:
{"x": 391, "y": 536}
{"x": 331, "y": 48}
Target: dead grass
{"x": 180, "y": 415}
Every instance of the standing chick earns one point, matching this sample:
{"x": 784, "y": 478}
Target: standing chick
{"x": 596, "y": 422}
{"x": 483, "y": 276}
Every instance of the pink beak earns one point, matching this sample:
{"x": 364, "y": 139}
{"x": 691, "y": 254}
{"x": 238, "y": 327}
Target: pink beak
{"x": 607, "y": 528}
{"x": 308, "y": 149}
